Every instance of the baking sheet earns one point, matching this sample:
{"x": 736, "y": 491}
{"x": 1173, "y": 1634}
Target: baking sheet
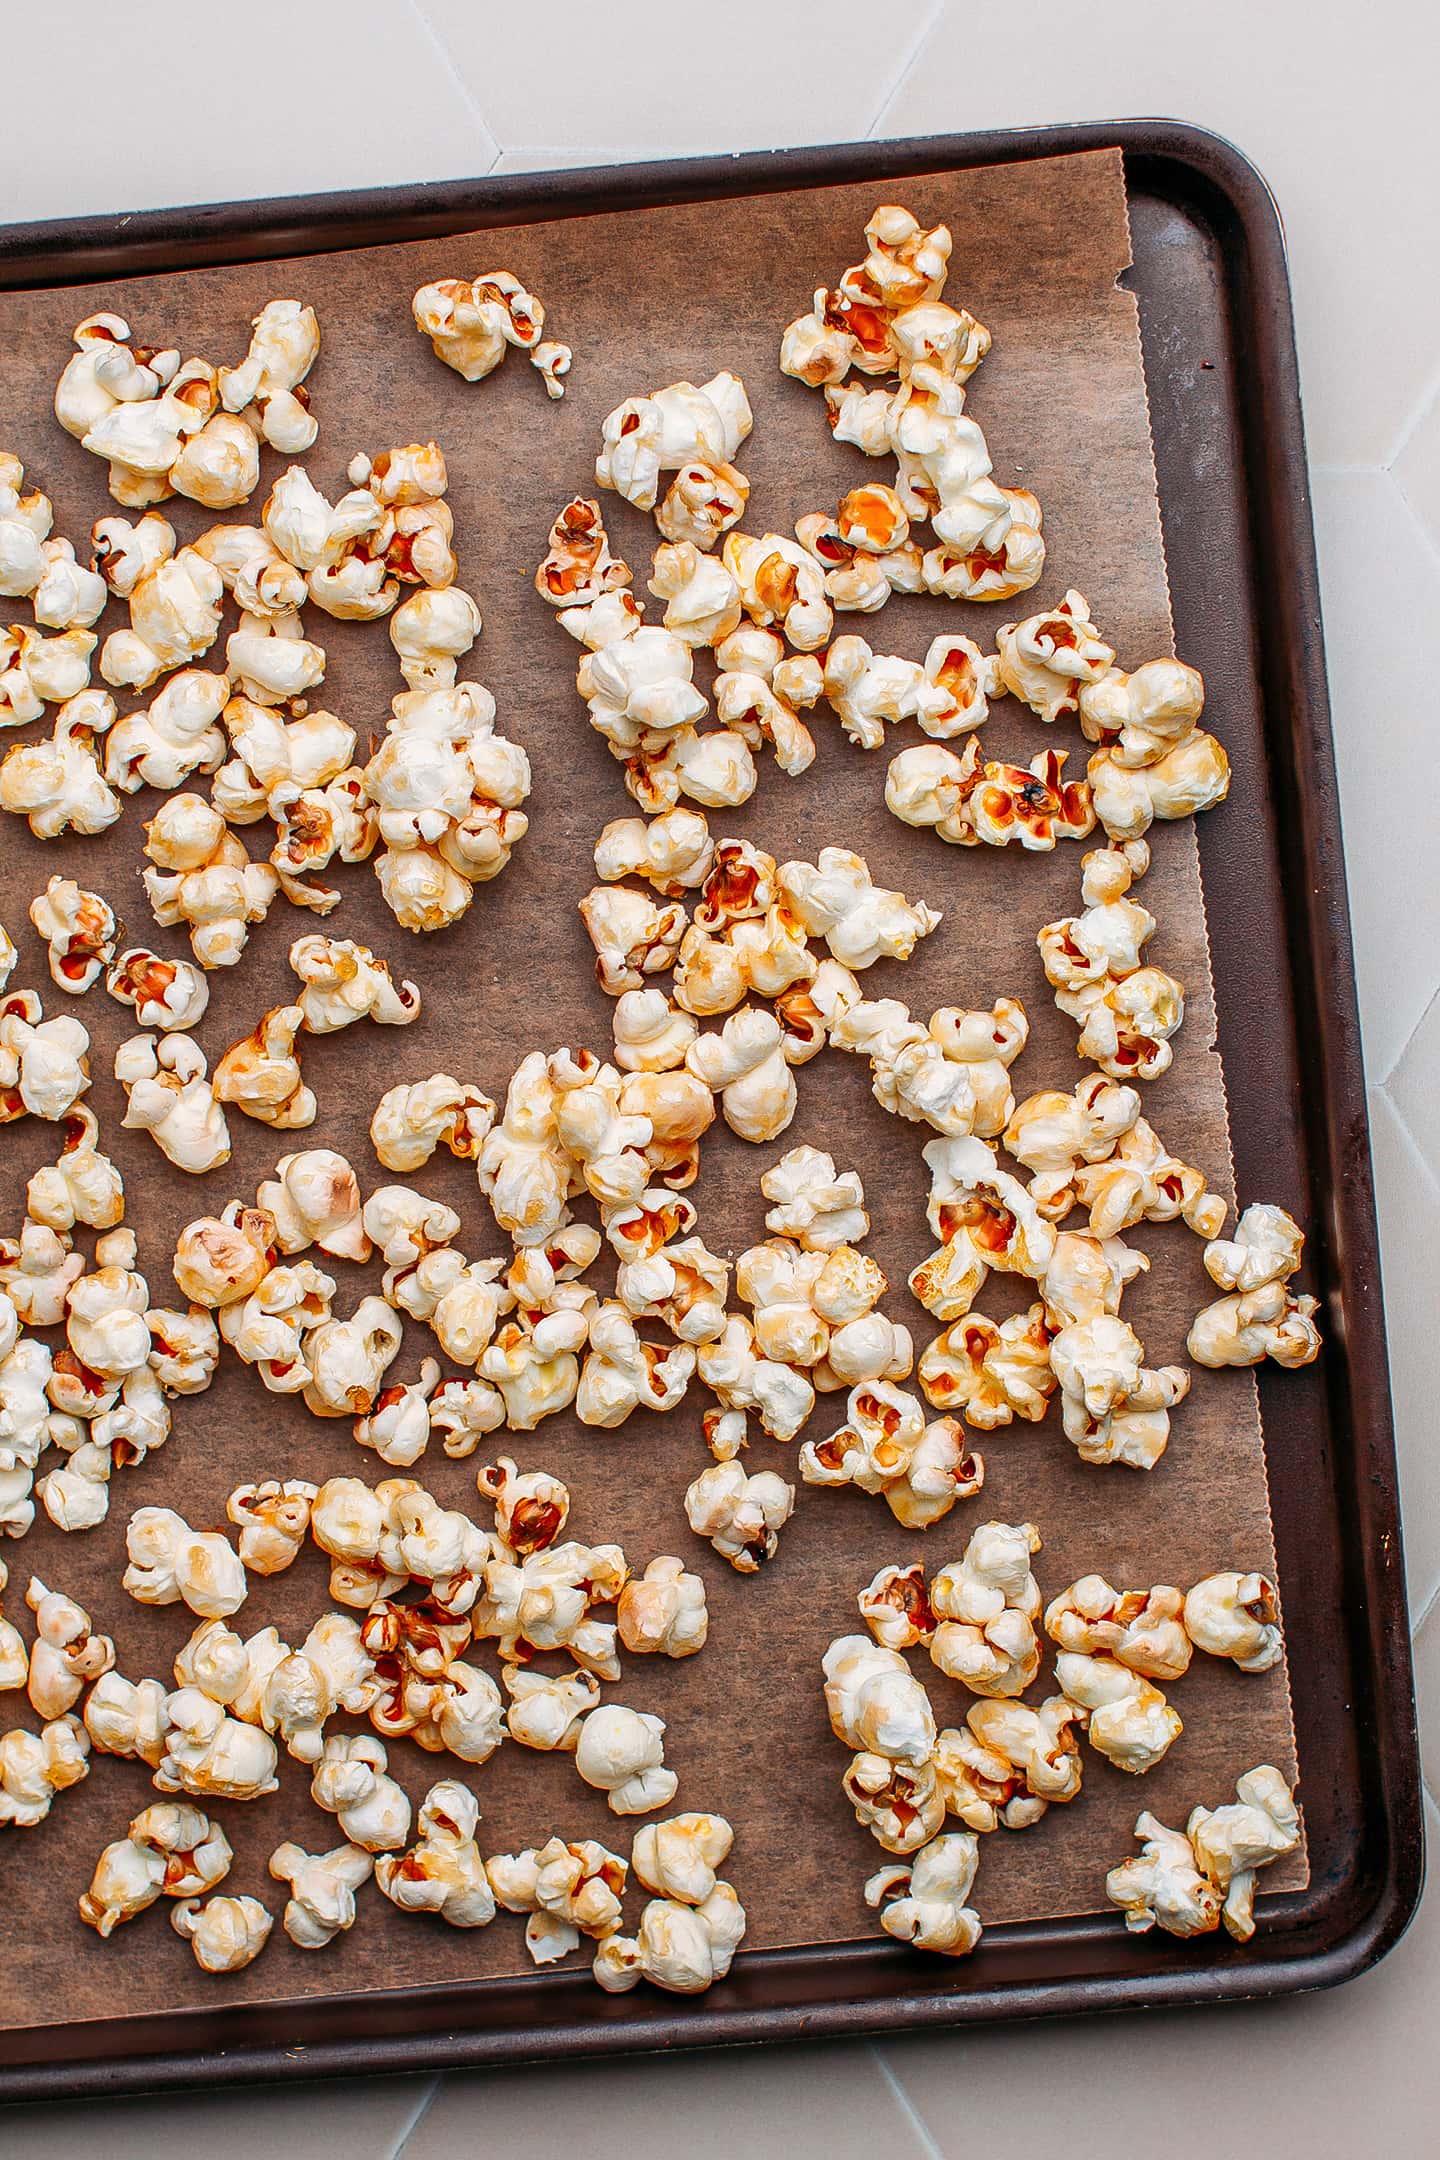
{"x": 645, "y": 298}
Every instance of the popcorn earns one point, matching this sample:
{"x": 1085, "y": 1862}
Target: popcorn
{"x": 546, "y": 1708}
{"x": 123, "y": 553}
{"x": 1128, "y": 1011}
{"x": 745, "y": 1064}
{"x": 66, "y": 1653}
{"x": 680, "y": 1108}
{"x": 350, "y": 1782}
{"x": 673, "y": 852}
{"x": 743, "y": 1380}
{"x": 44, "y": 1064}
{"x": 1038, "y": 1747}
{"x": 105, "y": 1312}
{"x": 412, "y": 1120}
{"x": 524, "y": 1170}
{"x": 1187, "y": 1881}
{"x": 895, "y": 1606}
{"x": 987, "y": 1604}
{"x": 633, "y": 935}
{"x": 950, "y": 1073}
{"x": 58, "y": 786}
{"x": 9, "y": 956}
{"x": 220, "y": 1260}
{"x": 865, "y": 550}
{"x": 314, "y": 1198}
{"x": 25, "y": 520}
{"x": 622, "y": 1374}
{"x": 1141, "y": 1182}
{"x": 621, "y": 1753}
{"x": 1235, "y": 1616}
{"x": 442, "y": 1872}
{"x": 175, "y": 613}
{"x": 968, "y": 801}
{"x": 579, "y": 568}
{"x": 1053, "y": 1134}
{"x": 900, "y": 1804}
{"x": 322, "y": 1891}
{"x": 37, "y": 1270}
{"x": 79, "y": 928}
{"x": 398, "y": 1426}
{"x": 984, "y": 1219}
{"x": 226, "y": 1934}
{"x": 461, "y": 1303}
{"x": 202, "y": 877}
{"x": 702, "y": 600}
{"x": 1128, "y": 1719}
{"x": 348, "y": 1359}
{"x": 566, "y": 1888}
{"x": 544, "y": 1602}
{"x": 1114, "y": 1407}
{"x": 343, "y": 982}
{"x": 170, "y": 1850}
{"x": 447, "y": 792}
{"x": 211, "y": 1755}
{"x": 536, "y": 1369}
{"x": 431, "y": 632}
{"x": 741, "y": 1515}
{"x": 1049, "y": 659}
{"x": 169, "y": 1096}
{"x": 170, "y": 1562}
{"x": 37, "y": 671}
{"x": 672, "y": 430}
{"x": 275, "y": 761}
{"x": 810, "y": 1013}
{"x": 36, "y": 1766}
{"x": 860, "y": 921}
{"x": 127, "y": 1717}
{"x": 991, "y": 1374}
{"x": 770, "y": 957}
{"x": 663, "y": 1612}
{"x": 1141, "y": 1629}
{"x": 261, "y": 1073}
{"x": 681, "y": 1948}
{"x": 271, "y": 661}
{"x": 1263, "y": 1318}
{"x": 779, "y": 582}
{"x": 866, "y": 690}
{"x": 1086, "y": 1277}
{"x": 887, "y": 1447}
{"x": 67, "y": 596}
{"x": 259, "y": 576}
{"x": 285, "y": 338}
{"x": 472, "y": 322}
{"x": 753, "y": 707}
{"x": 924, "y": 1903}
{"x": 874, "y": 1702}
{"x": 273, "y": 1520}
{"x": 1139, "y": 717}
{"x": 820, "y": 1209}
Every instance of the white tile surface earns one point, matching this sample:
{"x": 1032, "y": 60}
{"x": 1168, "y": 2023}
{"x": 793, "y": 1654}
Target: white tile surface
{"x": 1334, "y": 105}
{"x": 115, "y": 115}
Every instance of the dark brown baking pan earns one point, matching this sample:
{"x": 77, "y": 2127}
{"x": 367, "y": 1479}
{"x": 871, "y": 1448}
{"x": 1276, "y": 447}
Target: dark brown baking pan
{"x": 1210, "y": 277}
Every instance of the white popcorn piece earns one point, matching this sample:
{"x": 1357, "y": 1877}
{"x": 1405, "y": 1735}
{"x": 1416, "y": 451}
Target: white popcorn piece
{"x": 1187, "y": 1882}
{"x": 888, "y": 1448}
{"x": 261, "y": 1075}
{"x": 663, "y": 1612}
{"x": 820, "y": 1208}
{"x": 702, "y": 599}
{"x": 568, "y": 1889}
{"x": 869, "y": 690}
{"x": 431, "y": 633}
{"x": 447, "y": 791}
{"x": 670, "y": 429}
{"x": 170, "y": 1562}
{"x": 701, "y": 503}
{"x": 969, "y": 800}
{"x": 732, "y": 1367}
{"x": 622, "y": 1754}
{"x": 413, "y": 1119}
{"x": 201, "y": 876}
{"x": 314, "y": 1199}
{"x": 633, "y": 935}
{"x": 987, "y": 1604}
{"x": 1160, "y": 1886}
{"x": 1052, "y": 1135}
{"x": 14, "y": 1653}
{"x": 269, "y": 659}
{"x": 321, "y": 1904}
{"x": 683, "y": 1949}
{"x": 442, "y": 1872}
{"x": 1127, "y": 1717}
{"x": 1087, "y": 1276}
{"x": 991, "y": 1374}
{"x": 985, "y": 1220}
{"x": 779, "y": 582}
{"x": 37, "y": 1270}
{"x": 36, "y": 1766}
{"x": 1193, "y": 776}
{"x": 37, "y": 671}
{"x": 58, "y": 786}
{"x": 184, "y": 1349}
{"x": 1141, "y": 1182}
{"x": 257, "y": 574}
{"x": 672, "y": 852}
{"x": 284, "y": 342}
{"x": 745, "y": 1064}
{"x": 348, "y": 1360}
{"x": 1049, "y": 659}
{"x": 895, "y": 1606}
{"x": 1139, "y": 717}
{"x": 1141, "y": 1629}
{"x": 211, "y": 1755}
{"x": 175, "y": 609}
{"x": 622, "y": 1373}
{"x": 544, "y": 1602}
{"x": 169, "y": 1096}
{"x": 678, "y": 1858}
{"x": 123, "y": 553}
{"x": 1114, "y": 1407}
{"x": 127, "y": 1717}
{"x": 741, "y": 1515}
{"x": 900, "y": 1804}
{"x": 170, "y": 1850}
{"x": 875, "y": 1703}
{"x": 924, "y": 1903}
{"x": 169, "y": 995}
{"x": 67, "y": 596}
{"x": 226, "y": 1933}
{"x": 1263, "y": 1317}
{"x": 67, "y": 1652}
{"x": 273, "y": 1519}
{"x": 351, "y": 1783}
{"x": 523, "y": 1169}
{"x": 44, "y": 1064}
{"x": 860, "y": 921}
{"x": 1235, "y": 1616}
{"x": 951, "y": 1072}
{"x": 273, "y": 760}
{"x": 546, "y": 1708}
{"x": 25, "y": 521}
{"x": 342, "y": 982}
{"x": 1037, "y": 1749}
{"x": 79, "y": 928}
{"x": 472, "y": 322}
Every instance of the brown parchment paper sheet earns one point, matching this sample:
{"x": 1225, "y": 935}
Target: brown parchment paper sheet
{"x": 647, "y": 297}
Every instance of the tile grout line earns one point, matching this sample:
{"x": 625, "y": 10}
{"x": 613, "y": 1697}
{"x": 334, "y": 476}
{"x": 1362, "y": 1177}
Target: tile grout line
{"x": 1387, "y": 1076}
{"x": 452, "y": 68}
{"x": 1429, "y": 398}
{"x": 422, "y": 2109}
{"x": 904, "y": 2102}
{"x": 912, "y": 53}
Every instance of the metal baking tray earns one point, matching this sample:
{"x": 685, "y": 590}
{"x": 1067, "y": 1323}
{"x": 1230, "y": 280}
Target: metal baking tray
{"x": 1210, "y": 276}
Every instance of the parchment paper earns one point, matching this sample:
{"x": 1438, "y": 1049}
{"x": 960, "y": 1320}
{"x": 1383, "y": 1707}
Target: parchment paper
{"x": 646, "y": 298}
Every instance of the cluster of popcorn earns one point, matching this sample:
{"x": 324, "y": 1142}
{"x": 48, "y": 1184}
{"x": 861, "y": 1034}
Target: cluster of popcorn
{"x": 980, "y": 1620}
{"x": 1189, "y": 1881}
{"x": 473, "y": 322}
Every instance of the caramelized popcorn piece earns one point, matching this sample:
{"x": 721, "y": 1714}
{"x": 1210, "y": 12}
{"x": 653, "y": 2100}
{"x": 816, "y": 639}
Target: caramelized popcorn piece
{"x": 1235, "y": 1616}
{"x": 887, "y": 1447}
{"x": 531, "y": 1506}
{"x": 226, "y": 1933}
{"x": 681, "y": 1948}
{"x": 1141, "y": 1629}
{"x": 472, "y": 322}
{"x": 900, "y": 1804}
{"x": 343, "y": 982}
{"x": 875, "y": 1703}
{"x": 924, "y": 1903}
{"x": 969, "y": 801}
{"x": 321, "y": 1904}
{"x": 579, "y": 568}
{"x": 987, "y": 1604}
{"x": 663, "y": 1611}
{"x": 984, "y": 1219}
{"x": 442, "y": 1872}
{"x": 779, "y": 582}
{"x": 79, "y": 928}
{"x": 991, "y": 1374}
{"x": 741, "y": 1515}
{"x": 1128, "y": 1719}
{"x": 168, "y": 995}
{"x": 273, "y": 1520}
{"x": 261, "y": 1075}
{"x": 895, "y": 1606}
